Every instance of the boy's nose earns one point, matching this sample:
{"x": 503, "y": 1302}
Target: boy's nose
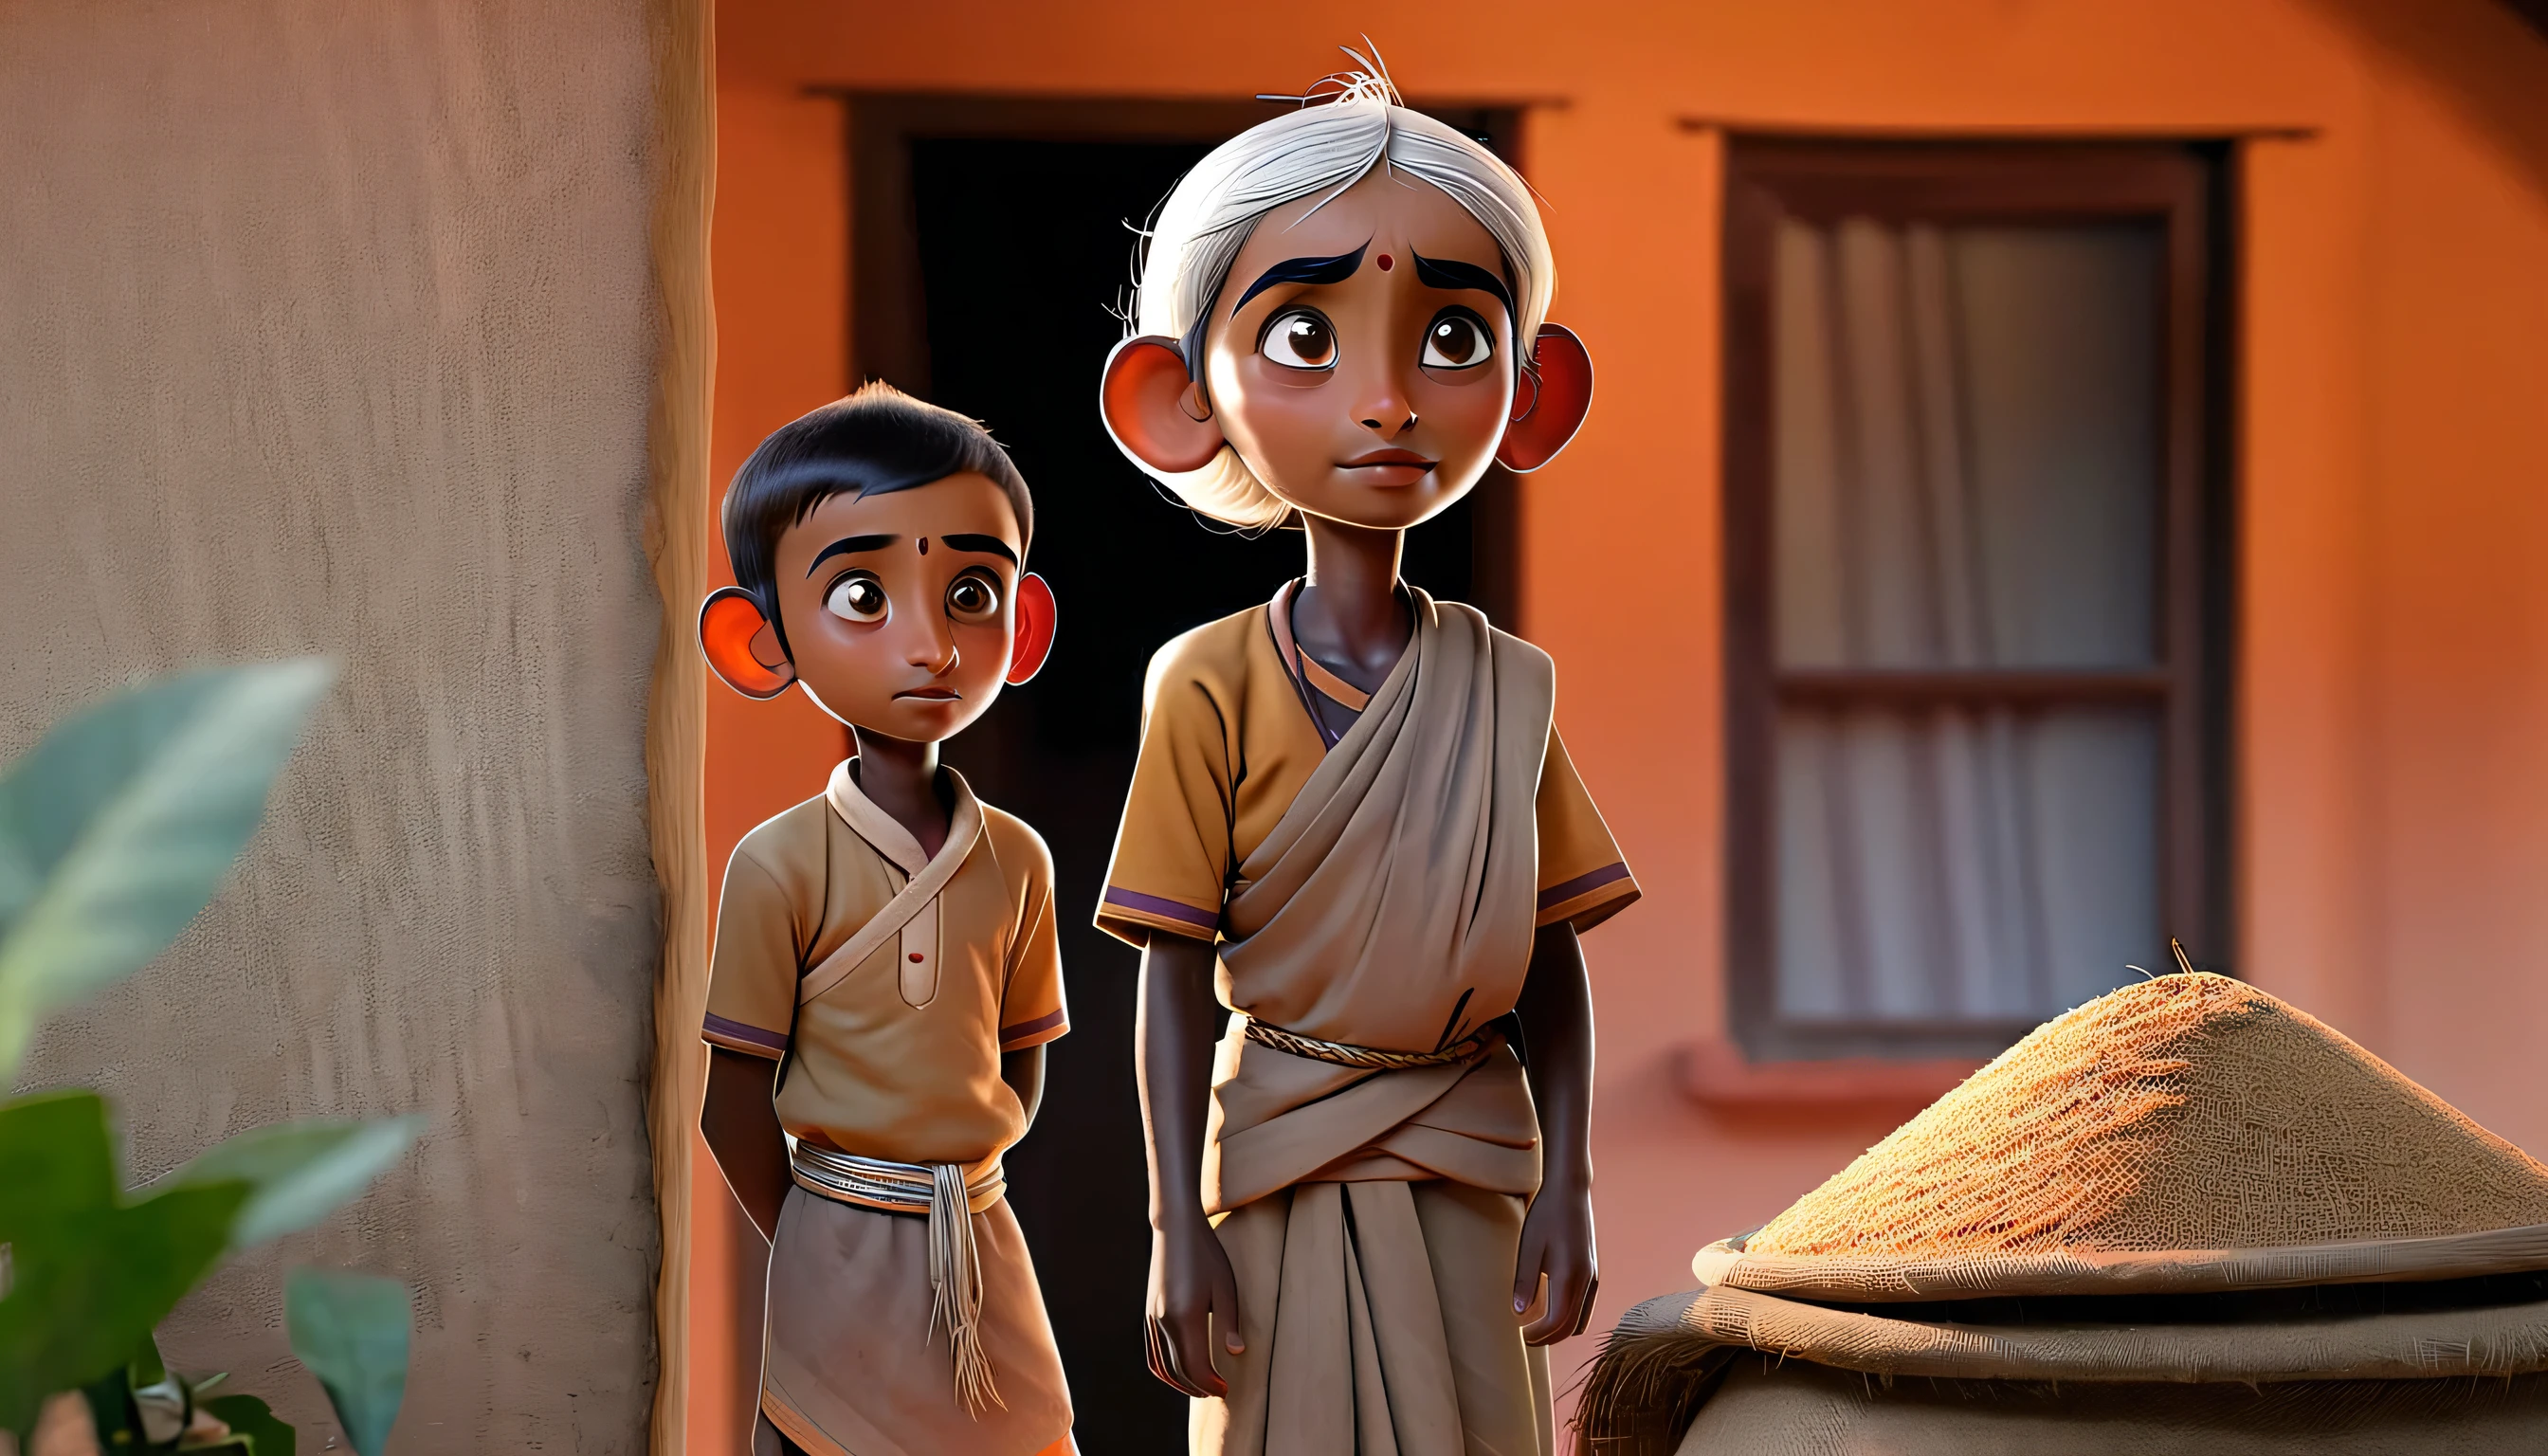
{"x": 931, "y": 647}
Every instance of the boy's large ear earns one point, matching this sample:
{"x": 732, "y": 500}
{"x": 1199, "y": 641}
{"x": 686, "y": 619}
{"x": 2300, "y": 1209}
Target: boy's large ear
{"x": 1153, "y": 407}
{"x": 1035, "y": 621}
{"x": 1548, "y": 409}
{"x": 743, "y": 645}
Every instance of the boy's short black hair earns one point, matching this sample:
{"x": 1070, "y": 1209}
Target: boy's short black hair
{"x": 873, "y": 443}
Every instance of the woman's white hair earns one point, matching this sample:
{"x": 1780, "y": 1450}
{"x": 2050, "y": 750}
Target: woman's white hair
{"x": 1337, "y": 137}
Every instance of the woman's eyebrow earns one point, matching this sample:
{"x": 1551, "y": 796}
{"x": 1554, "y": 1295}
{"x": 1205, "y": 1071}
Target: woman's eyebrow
{"x": 848, "y": 544}
{"x": 1452, "y": 273}
{"x": 1304, "y": 270}
{"x": 986, "y": 545}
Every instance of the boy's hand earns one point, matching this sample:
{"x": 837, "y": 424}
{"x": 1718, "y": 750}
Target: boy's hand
{"x": 1557, "y": 1242}
{"x": 1192, "y": 1293}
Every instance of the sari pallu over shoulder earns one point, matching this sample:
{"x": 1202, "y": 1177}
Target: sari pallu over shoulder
{"x": 1405, "y": 871}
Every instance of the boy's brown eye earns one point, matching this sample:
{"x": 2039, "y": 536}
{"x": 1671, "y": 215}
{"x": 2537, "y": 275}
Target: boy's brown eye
{"x": 857, "y": 599}
{"x": 1457, "y": 339}
{"x": 1300, "y": 338}
{"x": 972, "y": 599}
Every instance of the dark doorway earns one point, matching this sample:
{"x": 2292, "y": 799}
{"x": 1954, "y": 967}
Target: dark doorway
{"x": 996, "y": 242}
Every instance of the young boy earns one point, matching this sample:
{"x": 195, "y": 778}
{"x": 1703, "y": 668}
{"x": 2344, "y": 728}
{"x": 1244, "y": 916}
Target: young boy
{"x": 888, "y": 944}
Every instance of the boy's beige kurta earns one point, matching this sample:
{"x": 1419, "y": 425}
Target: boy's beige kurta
{"x": 1383, "y": 893}
{"x": 899, "y": 1061}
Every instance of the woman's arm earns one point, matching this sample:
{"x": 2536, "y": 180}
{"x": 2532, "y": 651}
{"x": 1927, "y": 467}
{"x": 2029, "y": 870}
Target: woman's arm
{"x": 741, "y": 1126}
{"x": 1556, "y": 1015}
{"x": 1191, "y": 1286}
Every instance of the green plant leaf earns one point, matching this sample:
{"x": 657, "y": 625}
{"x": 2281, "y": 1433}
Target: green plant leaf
{"x": 88, "y": 1276}
{"x": 115, "y": 828}
{"x": 301, "y": 1171}
{"x": 248, "y": 1418}
{"x": 57, "y": 1160}
{"x": 147, "y": 1367}
{"x": 351, "y": 1330}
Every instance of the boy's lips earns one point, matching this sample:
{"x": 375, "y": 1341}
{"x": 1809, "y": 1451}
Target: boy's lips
{"x": 932, "y": 694}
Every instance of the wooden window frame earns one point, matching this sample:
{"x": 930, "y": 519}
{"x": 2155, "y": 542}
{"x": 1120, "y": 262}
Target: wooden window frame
{"x": 2182, "y": 187}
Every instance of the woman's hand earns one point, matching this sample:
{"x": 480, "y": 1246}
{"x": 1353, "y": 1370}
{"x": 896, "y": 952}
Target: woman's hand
{"x": 1557, "y": 1243}
{"x": 1191, "y": 1290}
{"x": 1192, "y": 1295}
{"x": 1556, "y": 1015}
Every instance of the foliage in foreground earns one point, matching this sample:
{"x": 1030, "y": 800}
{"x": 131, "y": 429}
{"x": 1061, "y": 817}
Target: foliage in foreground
{"x": 115, "y": 832}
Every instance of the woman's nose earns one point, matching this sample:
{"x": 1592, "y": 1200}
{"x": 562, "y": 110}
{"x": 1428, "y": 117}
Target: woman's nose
{"x": 1387, "y": 412}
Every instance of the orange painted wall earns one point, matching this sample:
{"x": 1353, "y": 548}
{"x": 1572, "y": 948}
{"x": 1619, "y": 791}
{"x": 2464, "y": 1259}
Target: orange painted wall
{"x": 2393, "y": 714}
{"x": 778, "y": 254}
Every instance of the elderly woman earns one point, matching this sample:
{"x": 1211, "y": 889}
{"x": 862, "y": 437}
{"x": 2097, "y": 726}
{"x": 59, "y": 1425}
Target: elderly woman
{"x": 1351, "y": 815}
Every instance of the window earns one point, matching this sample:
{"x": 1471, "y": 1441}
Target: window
{"x": 1976, "y": 604}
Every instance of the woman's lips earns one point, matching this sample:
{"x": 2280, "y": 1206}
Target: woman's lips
{"x": 1389, "y": 468}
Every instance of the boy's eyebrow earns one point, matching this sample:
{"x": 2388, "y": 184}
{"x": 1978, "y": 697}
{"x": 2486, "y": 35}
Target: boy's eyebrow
{"x": 1452, "y": 273}
{"x": 987, "y": 545}
{"x": 847, "y": 544}
{"x": 1304, "y": 270}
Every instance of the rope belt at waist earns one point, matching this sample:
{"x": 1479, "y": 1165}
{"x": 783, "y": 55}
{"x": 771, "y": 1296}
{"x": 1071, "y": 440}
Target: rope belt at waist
{"x": 1370, "y": 1059}
{"x": 954, "y": 1265}
{"x": 901, "y": 1188}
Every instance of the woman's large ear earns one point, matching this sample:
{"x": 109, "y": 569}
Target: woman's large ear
{"x": 1153, "y": 407}
{"x": 1548, "y": 409}
{"x": 1035, "y": 621}
{"x": 742, "y": 645}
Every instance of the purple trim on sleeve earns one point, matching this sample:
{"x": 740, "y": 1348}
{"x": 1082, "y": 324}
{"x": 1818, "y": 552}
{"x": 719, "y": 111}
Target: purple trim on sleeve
{"x": 735, "y": 1030}
{"x": 1044, "y": 1023}
{"x": 1176, "y": 910}
{"x": 1559, "y": 894}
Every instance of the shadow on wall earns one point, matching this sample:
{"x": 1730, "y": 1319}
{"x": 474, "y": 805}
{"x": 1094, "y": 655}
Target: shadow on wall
{"x": 2483, "y": 58}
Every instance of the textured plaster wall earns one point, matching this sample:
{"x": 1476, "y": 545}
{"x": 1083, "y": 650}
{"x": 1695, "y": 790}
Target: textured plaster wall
{"x": 327, "y": 327}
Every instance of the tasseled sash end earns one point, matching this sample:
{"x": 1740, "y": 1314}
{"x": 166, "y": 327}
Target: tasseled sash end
{"x": 955, "y": 1286}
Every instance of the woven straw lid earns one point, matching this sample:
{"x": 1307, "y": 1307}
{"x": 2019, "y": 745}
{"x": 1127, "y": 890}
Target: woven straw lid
{"x": 2182, "y": 1134}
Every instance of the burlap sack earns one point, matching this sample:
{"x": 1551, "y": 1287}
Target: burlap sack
{"x": 2185, "y": 1214}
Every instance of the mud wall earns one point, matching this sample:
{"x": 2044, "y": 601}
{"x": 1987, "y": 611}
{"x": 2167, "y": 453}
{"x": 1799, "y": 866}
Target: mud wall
{"x": 333, "y": 328}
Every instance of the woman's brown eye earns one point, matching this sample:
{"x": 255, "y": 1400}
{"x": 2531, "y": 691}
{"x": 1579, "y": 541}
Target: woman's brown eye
{"x": 972, "y": 599}
{"x": 857, "y": 599}
{"x": 1457, "y": 340}
{"x": 1301, "y": 338}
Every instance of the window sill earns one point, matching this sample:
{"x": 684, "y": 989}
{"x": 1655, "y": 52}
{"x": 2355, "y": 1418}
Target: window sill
{"x": 1716, "y": 1073}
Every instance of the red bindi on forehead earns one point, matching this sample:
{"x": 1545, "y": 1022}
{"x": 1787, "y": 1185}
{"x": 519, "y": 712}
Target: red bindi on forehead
{"x": 1387, "y": 262}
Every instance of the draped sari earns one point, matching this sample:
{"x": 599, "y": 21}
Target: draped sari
{"x": 1373, "y": 1218}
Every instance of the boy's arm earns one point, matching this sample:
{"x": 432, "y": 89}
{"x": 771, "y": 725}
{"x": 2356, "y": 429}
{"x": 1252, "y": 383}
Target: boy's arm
{"x": 1556, "y": 1015}
{"x": 1192, "y": 1288}
{"x": 741, "y": 1124}
{"x": 1023, "y": 1071}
